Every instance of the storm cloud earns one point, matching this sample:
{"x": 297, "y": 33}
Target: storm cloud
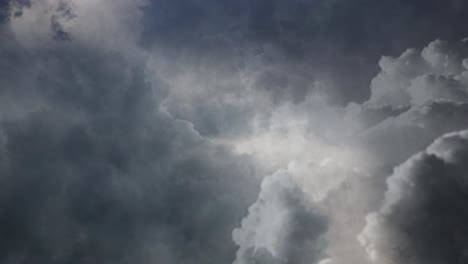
{"x": 242, "y": 132}
{"x": 93, "y": 170}
{"x": 423, "y": 216}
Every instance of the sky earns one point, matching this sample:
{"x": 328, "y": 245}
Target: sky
{"x": 233, "y": 132}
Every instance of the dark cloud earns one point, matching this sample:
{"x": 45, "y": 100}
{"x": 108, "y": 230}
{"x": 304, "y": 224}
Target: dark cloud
{"x": 93, "y": 171}
{"x": 118, "y": 122}
{"x": 5, "y": 8}
{"x": 423, "y": 217}
{"x": 63, "y": 11}
{"x": 278, "y": 51}
{"x": 339, "y": 40}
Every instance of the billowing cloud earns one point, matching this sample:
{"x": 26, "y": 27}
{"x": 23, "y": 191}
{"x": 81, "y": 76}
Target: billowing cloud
{"x": 283, "y": 226}
{"x": 339, "y": 40}
{"x": 416, "y": 98}
{"x": 340, "y": 157}
{"x": 417, "y": 77}
{"x": 93, "y": 167}
{"x": 215, "y": 132}
{"x": 424, "y": 213}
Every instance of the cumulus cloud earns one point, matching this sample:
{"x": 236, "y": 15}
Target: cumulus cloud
{"x": 341, "y": 156}
{"x": 340, "y": 40}
{"x": 421, "y": 97}
{"x": 417, "y": 77}
{"x": 416, "y": 97}
{"x": 422, "y": 219}
{"x": 427, "y": 93}
{"x": 436, "y": 87}
{"x": 140, "y": 131}
{"x": 283, "y": 225}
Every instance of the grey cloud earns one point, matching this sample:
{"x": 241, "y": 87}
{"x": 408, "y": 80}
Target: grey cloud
{"x": 107, "y": 157}
{"x": 63, "y": 12}
{"x": 389, "y": 86}
{"x": 283, "y": 225}
{"x": 209, "y": 92}
{"x": 417, "y": 77}
{"x": 417, "y": 97}
{"x": 238, "y": 74}
{"x": 431, "y": 102}
{"x": 423, "y": 216}
{"x": 428, "y": 94}
{"x": 396, "y": 138}
{"x": 339, "y": 40}
{"x": 5, "y": 9}
{"x": 437, "y": 87}
{"x": 94, "y": 171}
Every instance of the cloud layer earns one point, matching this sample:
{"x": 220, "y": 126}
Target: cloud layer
{"x": 93, "y": 169}
{"x": 216, "y": 132}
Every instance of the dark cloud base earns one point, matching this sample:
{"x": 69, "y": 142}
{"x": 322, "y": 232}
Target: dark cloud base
{"x": 341, "y": 41}
{"x": 96, "y": 173}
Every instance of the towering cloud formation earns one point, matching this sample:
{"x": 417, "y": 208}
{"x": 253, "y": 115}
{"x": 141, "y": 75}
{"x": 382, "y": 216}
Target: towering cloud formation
{"x": 161, "y": 131}
{"x": 283, "y": 226}
{"x": 415, "y": 78}
{"x": 432, "y": 85}
{"x": 423, "y": 218}
{"x": 415, "y": 99}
